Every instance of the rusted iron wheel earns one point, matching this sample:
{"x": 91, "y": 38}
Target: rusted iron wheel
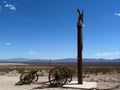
{"x": 35, "y": 78}
{"x": 26, "y": 78}
{"x": 69, "y": 75}
{"x": 57, "y": 77}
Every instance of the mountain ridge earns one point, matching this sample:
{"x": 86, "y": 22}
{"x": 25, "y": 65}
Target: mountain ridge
{"x": 65, "y": 60}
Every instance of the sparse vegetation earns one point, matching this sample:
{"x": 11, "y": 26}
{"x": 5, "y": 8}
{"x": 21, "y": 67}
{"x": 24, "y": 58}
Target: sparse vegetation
{"x": 106, "y": 75}
{"x": 101, "y": 68}
{"x": 87, "y": 68}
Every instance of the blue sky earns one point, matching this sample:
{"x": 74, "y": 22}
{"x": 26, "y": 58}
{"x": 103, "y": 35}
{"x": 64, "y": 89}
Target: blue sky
{"x": 47, "y": 28}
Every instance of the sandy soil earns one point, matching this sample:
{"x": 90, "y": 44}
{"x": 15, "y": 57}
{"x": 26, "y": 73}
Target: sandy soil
{"x": 8, "y": 83}
{"x": 104, "y": 81}
{"x": 108, "y": 81}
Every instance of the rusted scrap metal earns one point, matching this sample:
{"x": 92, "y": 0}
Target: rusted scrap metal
{"x": 79, "y": 45}
{"x": 28, "y": 77}
{"x": 59, "y": 76}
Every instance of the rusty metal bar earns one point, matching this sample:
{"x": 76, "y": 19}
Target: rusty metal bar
{"x": 79, "y": 46}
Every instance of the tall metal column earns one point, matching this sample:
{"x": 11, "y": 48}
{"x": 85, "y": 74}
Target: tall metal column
{"x": 79, "y": 46}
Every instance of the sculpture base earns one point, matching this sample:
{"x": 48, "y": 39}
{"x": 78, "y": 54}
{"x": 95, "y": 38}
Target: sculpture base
{"x": 85, "y": 85}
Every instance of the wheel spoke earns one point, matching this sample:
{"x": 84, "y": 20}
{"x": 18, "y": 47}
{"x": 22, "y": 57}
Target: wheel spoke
{"x": 57, "y": 77}
{"x": 35, "y": 78}
{"x": 26, "y": 78}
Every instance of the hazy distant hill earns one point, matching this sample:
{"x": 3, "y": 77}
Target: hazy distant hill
{"x": 67, "y": 60}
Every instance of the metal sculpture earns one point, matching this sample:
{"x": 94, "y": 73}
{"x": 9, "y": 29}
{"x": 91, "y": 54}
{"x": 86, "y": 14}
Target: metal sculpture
{"x": 29, "y": 77}
{"x": 79, "y": 46}
{"x": 59, "y": 76}
{"x": 68, "y": 74}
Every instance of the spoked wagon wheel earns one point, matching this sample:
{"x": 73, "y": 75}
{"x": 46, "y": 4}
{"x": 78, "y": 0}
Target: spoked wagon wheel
{"x": 57, "y": 77}
{"x": 26, "y": 78}
{"x": 68, "y": 74}
{"x": 35, "y": 78}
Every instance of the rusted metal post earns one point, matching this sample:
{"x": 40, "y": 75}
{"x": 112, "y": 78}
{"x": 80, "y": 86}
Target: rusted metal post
{"x": 79, "y": 46}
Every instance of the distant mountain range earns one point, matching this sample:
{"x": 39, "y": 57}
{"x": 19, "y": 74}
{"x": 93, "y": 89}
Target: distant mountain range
{"x": 66, "y": 60}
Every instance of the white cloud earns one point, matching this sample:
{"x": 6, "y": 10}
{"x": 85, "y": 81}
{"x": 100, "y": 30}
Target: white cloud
{"x": 10, "y": 6}
{"x": 83, "y": 25}
{"x": 8, "y": 44}
{"x": 5, "y": 2}
{"x": 33, "y": 53}
{"x": 103, "y": 54}
{"x": 106, "y": 55}
{"x": 117, "y": 14}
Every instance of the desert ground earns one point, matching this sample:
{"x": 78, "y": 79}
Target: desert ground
{"x": 107, "y": 79}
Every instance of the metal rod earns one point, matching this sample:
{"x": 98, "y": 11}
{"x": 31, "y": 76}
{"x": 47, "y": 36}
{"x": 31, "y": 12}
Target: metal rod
{"x": 79, "y": 46}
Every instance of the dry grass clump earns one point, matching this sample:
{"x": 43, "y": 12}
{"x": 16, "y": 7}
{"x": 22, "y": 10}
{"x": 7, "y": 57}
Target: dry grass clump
{"x": 103, "y": 69}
